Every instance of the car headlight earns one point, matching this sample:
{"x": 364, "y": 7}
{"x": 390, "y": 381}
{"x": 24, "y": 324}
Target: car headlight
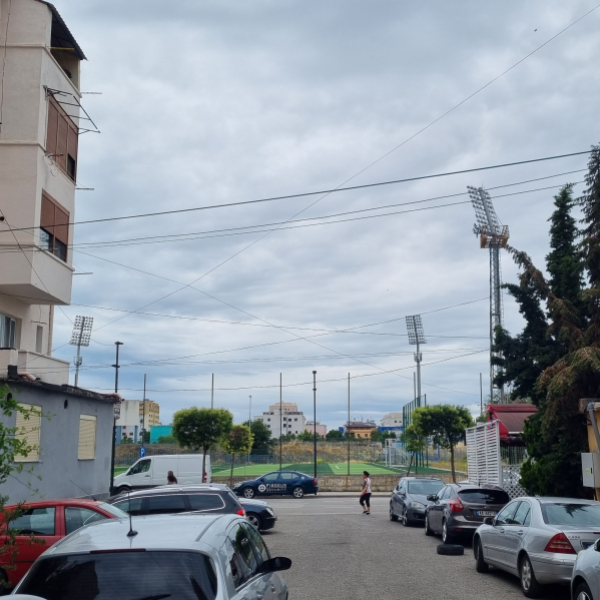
{"x": 270, "y": 511}
{"x": 237, "y": 485}
{"x": 417, "y": 505}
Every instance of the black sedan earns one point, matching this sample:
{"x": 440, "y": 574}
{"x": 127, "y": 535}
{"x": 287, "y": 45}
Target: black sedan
{"x": 280, "y": 483}
{"x": 409, "y": 498}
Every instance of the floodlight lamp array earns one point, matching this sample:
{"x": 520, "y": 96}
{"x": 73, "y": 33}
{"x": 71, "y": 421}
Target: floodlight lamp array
{"x": 485, "y": 214}
{"x": 414, "y": 327}
{"x": 82, "y": 331}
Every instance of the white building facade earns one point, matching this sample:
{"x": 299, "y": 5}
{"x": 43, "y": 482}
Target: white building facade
{"x": 39, "y": 135}
{"x": 284, "y": 419}
{"x": 135, "y": 416}
{"x": 393, "y": 419}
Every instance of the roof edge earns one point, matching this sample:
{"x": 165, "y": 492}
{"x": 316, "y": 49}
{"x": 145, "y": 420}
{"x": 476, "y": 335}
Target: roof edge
{"x": 72, "y": 39}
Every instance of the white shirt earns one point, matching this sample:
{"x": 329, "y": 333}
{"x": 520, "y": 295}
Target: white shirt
{"x": 367, "y": 486}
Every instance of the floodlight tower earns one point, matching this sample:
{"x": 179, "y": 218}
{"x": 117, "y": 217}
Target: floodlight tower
{"x": 416, "y": 336}
{"x": 493, "y": 235}
{"x": 82, "y": 332}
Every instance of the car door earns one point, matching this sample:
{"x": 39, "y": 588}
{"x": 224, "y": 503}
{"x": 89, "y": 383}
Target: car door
{"x": 38, "y": 528}
{"x": 77, "y": 516}
{"x": 268, "y": 484}
{"x": 268, "y": 583}
{"x": 241, "y": 569}
{"x": 435, "y": 510}
{"x": 496, "y": 550}
{"x": 514, "y": 534}
{"x": 139, "y": 474}
{"x": 288, "y": 481}
{"x": 401, "y": 498}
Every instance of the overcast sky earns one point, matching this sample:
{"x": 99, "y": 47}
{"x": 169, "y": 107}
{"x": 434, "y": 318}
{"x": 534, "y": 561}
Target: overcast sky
{"x": 207, "y": 103}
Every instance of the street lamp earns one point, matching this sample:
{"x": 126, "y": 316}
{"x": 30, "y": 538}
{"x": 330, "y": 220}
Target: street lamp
{"x": 82, "y": 332}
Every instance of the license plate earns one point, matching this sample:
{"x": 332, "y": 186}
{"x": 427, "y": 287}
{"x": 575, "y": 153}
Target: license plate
{"x": 586, "y": 545}
{"x": 486, "y": 513}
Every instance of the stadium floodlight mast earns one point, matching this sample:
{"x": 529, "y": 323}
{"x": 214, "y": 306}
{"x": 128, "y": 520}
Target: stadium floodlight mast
{"x": 82, "y": 332}
{"x": 416, "y": 337}
{"x": 493, "y": 235}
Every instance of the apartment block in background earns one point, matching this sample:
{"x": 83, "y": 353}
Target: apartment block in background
{"x": 286, "y": 418}
{"x": 135, "y": 416}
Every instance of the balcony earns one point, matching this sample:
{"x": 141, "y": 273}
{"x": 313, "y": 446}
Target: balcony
{"x": 35, "y": 276}
{"x": 47, "y": 368}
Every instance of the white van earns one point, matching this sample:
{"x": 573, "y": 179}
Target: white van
{"x": 151, "y": 471}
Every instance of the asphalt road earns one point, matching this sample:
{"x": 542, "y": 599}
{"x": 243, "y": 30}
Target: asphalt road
{"x": 338, "y": 553}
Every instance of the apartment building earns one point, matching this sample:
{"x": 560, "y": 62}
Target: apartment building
{"x": 39, "y": 137}
{"x": 284, "y": 417}
{"x": 135, "y": 416}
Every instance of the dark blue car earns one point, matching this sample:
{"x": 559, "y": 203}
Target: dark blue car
{"x": 278, "y": 482}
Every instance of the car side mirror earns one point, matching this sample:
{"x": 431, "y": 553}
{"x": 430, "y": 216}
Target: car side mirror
{"x": 432, "y": 497}
{"x": 280, "y": 563}
{"x": 489, "y": 521}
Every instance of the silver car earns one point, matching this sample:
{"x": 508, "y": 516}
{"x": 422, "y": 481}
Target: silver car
{"x": 537, "y": 539}
{"x": 585, "y": 582}
{"x": 181, "y": 557}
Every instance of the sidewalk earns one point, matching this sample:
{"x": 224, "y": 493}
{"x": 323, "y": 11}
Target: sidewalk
{"x": 348, "y": 495}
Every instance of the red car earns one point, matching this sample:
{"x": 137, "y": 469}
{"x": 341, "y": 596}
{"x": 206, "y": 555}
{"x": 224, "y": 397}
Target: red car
{"x": 49, "y": 521}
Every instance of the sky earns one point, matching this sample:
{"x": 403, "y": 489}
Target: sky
{"x": 206, "y": 103}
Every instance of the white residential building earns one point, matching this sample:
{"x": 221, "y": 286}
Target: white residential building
{"x": 393, "y": 419}
{"x": 290, "y": 418}
{"x": 135, "y": 416}
{"x": 39, "y": 135}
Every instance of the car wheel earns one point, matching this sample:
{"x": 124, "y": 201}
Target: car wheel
{"x": 405, "y": 520}
{"x": 123, "y": 490}
{"x": 583, "y": 592}
{"x": 298, "y": 492}
{"x": 446, "y": 536}
{"x": 248, "y": 493}
{"x": 393, "y": 517}
{"x": 427, "y": 530}
{"x": 254, "y": 519}
{"x": 450, "y": 550}
{"x": 529, "y": 584}
{"x": 480, "y": 565}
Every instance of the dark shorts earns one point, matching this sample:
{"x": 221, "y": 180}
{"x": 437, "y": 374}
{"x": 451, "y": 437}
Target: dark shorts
{"x": 365, "y": 500}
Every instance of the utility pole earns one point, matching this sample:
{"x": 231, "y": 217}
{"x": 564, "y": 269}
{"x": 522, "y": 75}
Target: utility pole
{"x": 493, "y": 235}
{"x": 481, "y": 392}
{"x": 280, "y": 419}
{"x": 315, "y": 419}
{"x": 212, "y": 392}
{"x": 348, "y": 425}
{"x": 144, "y": 412}
{"x": 114, "y": 437}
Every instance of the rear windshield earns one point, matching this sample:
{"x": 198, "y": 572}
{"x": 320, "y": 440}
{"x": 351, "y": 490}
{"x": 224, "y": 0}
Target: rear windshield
{"x": 484, "y": 496}
{"x": 122, "y": 575}
{"x": 571, "y": 514}
{"x": 424, "y": 488}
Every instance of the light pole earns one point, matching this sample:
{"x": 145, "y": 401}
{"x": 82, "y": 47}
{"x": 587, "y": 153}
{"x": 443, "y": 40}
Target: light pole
{"x": 280, "y": 419}
{"x": 348, "y": 425}
{"x": 144, "y": 411}
{"x": 114, "y": 440}
{"x": 82, "y": 332}
{"x": 315, "y": 419}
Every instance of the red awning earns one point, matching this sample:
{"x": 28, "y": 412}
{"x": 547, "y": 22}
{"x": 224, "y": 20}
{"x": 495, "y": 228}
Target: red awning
{"x": 512, "y": 418}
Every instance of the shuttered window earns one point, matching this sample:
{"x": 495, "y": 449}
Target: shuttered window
{"x": 62, "y": 138}
{"x": 28, "y": 430}
{"x": 54, "y": 227}
{"x": 87, "y": 438}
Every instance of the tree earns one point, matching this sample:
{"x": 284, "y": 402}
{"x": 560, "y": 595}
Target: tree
{"x": 335, "y": 435}
{"x": 307, "y": 436}
{"x": 237, "y": 441}
{"x": 262, "y": 438}
{"x": 445, "y": 424}
{"x": 201, "y": 428}
{"x": 144, "y": 437}
{"x": 167, "y": 439}
{"x": 12, "y": 446}
{"x": 413, "y": 443}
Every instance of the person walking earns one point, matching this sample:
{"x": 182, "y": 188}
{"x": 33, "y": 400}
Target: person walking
{"x": 365, "y": 493}
{"x": 171, "y": 477}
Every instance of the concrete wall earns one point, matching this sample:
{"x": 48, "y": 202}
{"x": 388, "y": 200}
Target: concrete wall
{"x": 62, "y": 474}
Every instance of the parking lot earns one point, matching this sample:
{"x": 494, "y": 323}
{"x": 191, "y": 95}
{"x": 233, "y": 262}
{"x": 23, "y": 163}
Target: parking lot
{"x": 339, "y": 553}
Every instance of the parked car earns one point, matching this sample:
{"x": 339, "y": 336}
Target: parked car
{"x": 258, "y": 512}
{"x": 585, "y": 580}
{"x": 409, "y": 498}
{"x": 181, "y": 557}
{"x": 151, "y": 471}
{"x": 171, "y": 499}
{"x": 278, "y": 482}
{"x": 48, "y": 522}
{"x": 537, "y": 539}
{"x": 459, "y": 509}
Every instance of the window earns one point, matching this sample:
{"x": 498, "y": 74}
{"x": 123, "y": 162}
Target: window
{"x": 142, "y": 466}
{"x": 76, "y": 517}
{"x": 484, "y": 496}
{"x": 54, "y": 227}
{"x": 165, "y": 505}
{"x": 152, "y": 574}
{"x": 132, "y": 507}
{"x": 35, "y": 521}
{"x": 39, "y": 337}
{"x": 206, "y": 502}
{"x": 522, "y": 515}
{"x": 87, "y": 438}
{"x": 62, "y": 139}
{"x": 448, "y": 493}
{"x": 242, "y": 560}
{"x": 271, "y": 477}
{"x": 587, "y": 515}
{"x": 424, "y": 488}
{"x": 286, "y": 476}
{"x": 258, "y": 544}
{"x": 505, "y": 515}
{"x": 28, "y": 430}
{"x": 7, "y": 332}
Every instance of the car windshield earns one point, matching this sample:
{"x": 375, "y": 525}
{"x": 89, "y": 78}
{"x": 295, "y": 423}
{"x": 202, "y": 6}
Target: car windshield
{"x": 587, "y": 515}
{"x": 484, "y": 496}
{"x": 424, "y": 488}
{"x": 114, "y": 511}
{"x": 127, "y": 575}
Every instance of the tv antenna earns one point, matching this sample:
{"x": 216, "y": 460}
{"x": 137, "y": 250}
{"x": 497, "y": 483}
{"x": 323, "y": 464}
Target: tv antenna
{"x": 493, "y": 235}
{"x": 82, "y": 332}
